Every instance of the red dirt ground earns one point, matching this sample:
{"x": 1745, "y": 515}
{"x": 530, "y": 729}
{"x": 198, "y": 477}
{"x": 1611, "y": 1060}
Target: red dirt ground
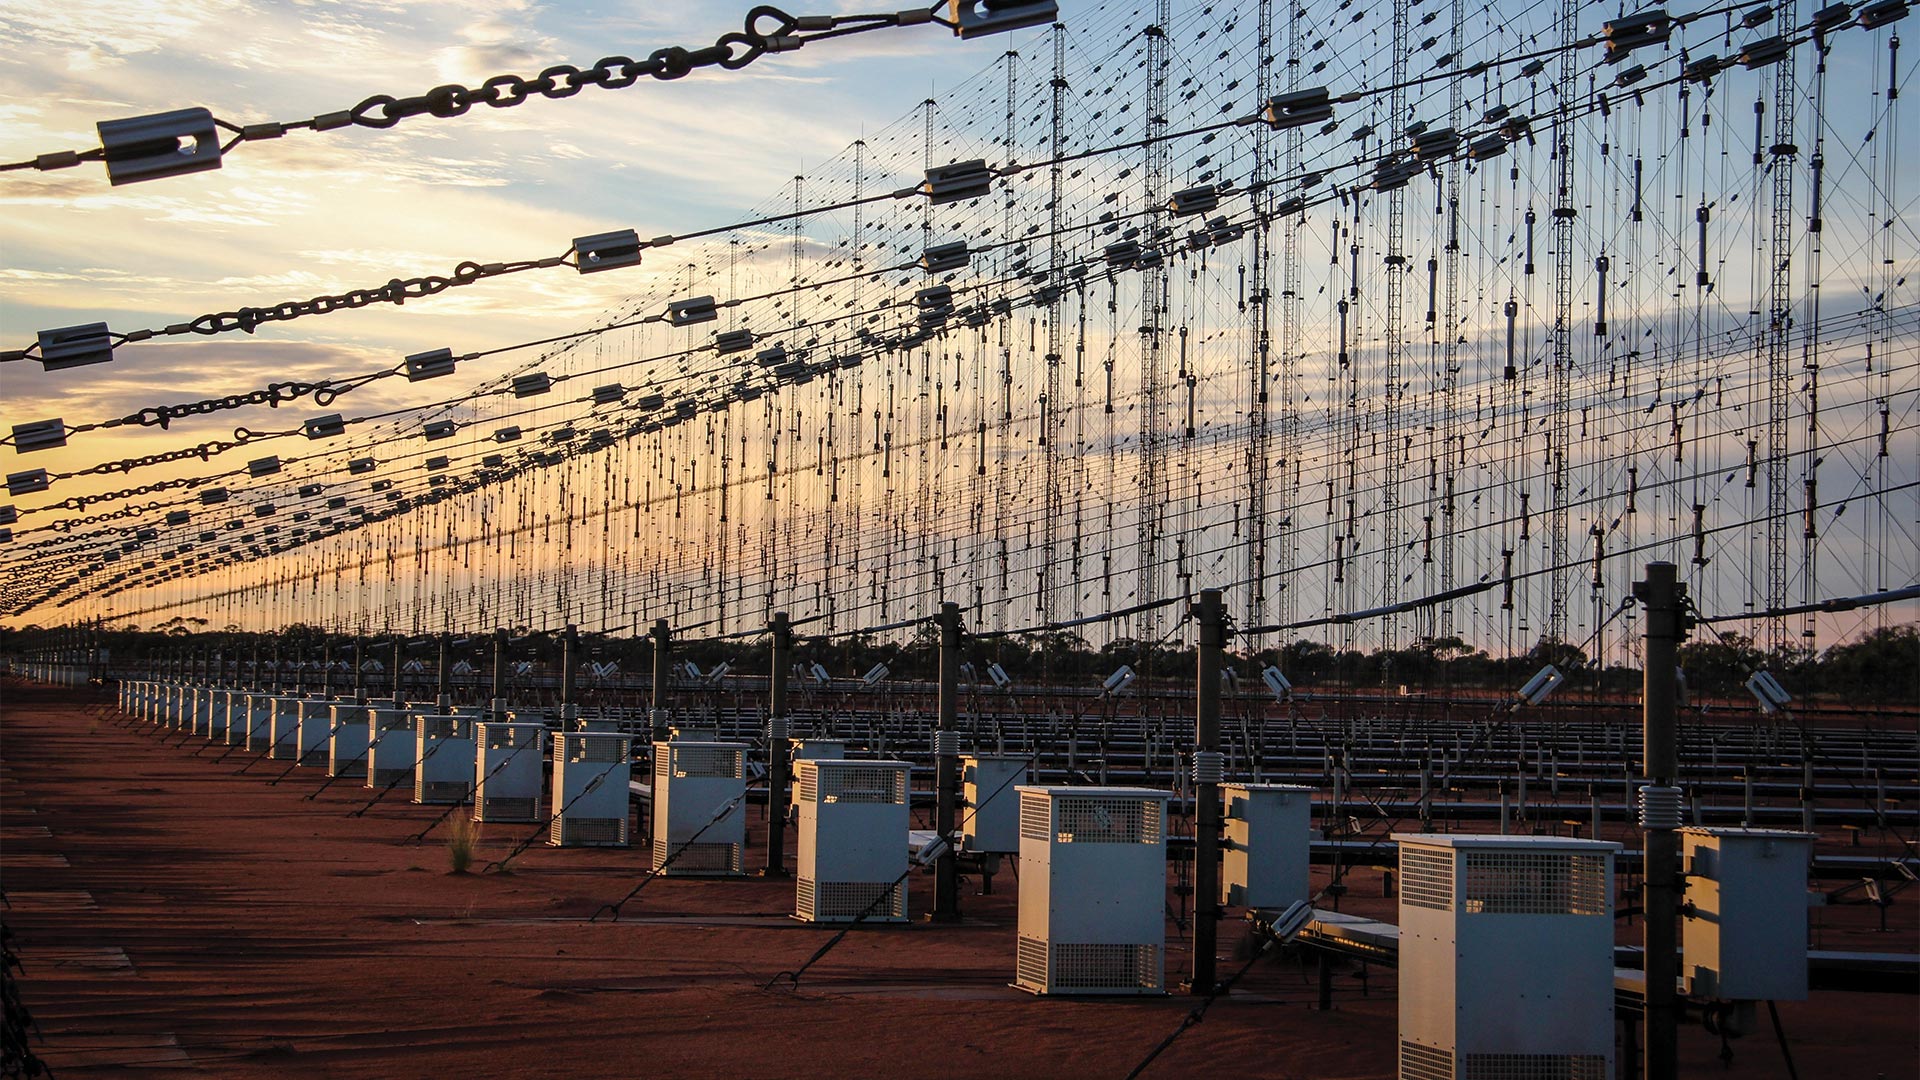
{"x": 174, "y": 917}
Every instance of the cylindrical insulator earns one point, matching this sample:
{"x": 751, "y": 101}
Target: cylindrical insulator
{"x": 1209, "y": 766}
{"x": 1660, "y": 807}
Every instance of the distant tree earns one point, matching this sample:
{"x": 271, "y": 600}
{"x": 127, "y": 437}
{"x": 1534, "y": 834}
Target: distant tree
{"x": 1306, "y": 662}
{"x": 1551, "y": 650}
{"x": 1719, "y": 663}
{"x": 1884, "y": 665}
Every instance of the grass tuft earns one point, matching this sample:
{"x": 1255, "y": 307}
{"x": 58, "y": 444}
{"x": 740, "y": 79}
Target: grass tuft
{"x": 462, "y": 836}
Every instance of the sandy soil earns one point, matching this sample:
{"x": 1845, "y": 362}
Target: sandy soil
{"x": 175, "y": 915}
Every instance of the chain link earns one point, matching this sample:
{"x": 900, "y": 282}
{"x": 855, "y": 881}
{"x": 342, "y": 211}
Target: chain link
{"x": 731, "y": 51}
{"x": 81, "y": 502}
{"x": 397, "y": 291}
{"x": 766, "y": 29}
{"x": 205, "y": 452}
{"x": 66, "y": 525}
{"x": 272, "y": 395}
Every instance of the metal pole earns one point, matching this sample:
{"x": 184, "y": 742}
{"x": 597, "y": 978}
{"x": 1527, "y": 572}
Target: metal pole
{"x": 326, "y": 668}
{"x": 399, "y": 659}
{"x": 443, "y": 694}
{"x": 1206, "y": 791}
{"x": 359, "y": 670}
{"x": 777, "y": 763}
{"x": 662, "y": 646}
{"x": 569, "y": 657}
{"x": 946, "y": 871}
{"x": 1666, "y": 627}
{"x": 497, "y": 707}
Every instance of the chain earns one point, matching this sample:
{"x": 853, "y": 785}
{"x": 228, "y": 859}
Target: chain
{"x": 66, "y": 525}
{"x": 273, "y": 394}
{"x": 205, "y": 452}
{"x": 397, "y": 291}
{"x": 81, "y": 502}
{"x": 766, "y": 29}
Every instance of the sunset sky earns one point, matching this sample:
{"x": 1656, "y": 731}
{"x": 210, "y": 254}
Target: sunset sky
{"x": 319, "y": 213}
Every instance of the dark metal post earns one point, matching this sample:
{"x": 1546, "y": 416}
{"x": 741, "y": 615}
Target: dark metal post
{"x": 777, "y": 762}
{"x": 497, "y": 707}
{"x": 443, "y": 691}
{"x": 946, "y": 871}
{"x": 326, "y": 668}
{"x": 359, "y": 670}
{"x": 276, "y": 664}
{"x": 1665, "y": 600}
{"x": 399, "y": 660}
{"x": 662, "y": 647}
{"x": 1206, "y": 790}
{"x": 569, "y": 657}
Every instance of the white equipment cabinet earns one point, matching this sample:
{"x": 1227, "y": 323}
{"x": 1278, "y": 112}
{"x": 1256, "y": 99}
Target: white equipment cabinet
{"x": 199, "y": 710}
{"x": 1269, "y": 843}
{"x": 390, "y": 746}
{"x": 239, "y": 717}
{"x": 443, "y": 759}
{"x": 1093, "y": 888}
{"x": 693, "y": 783}
{"x": 257, "y": 732}
{"x": 990, "y": 814}
{"x": 853, "y": 840}
{"x": 1744, "y": 935}
{"x": 591, "y": 770}
{"x": 810, "y": 750}
{"x": 347, "y": 746}
{"x": 315, "y": 723}
{"x": 216, "y": 726}
{"x": 1506, "y": 957}
{"x": 283, "y": 728}
{"x": 507, "y": 770}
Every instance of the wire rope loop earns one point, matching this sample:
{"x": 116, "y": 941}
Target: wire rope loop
{"x": 749, "y": 51}
{"x": 788, "y": 24}
{"x": 375, "y": 112}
